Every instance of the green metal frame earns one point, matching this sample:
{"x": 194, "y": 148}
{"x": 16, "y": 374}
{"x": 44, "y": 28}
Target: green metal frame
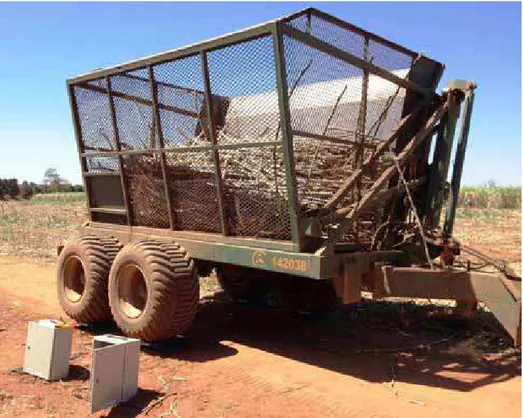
{"x": 253, "y": 253}
{"x": 460, "y": 94}
{"x": 459, "y": 159}
{"x": 259, "y": 254}
{"x": 301, "y": 224}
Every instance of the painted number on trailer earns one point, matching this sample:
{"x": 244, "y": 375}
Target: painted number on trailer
{"x": 290, "y": 264}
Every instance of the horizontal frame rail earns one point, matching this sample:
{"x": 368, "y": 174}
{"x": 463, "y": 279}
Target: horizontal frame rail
{"x": 139, "y": 100}
{"x": 227, "y": 40}
{"x": 260, "y": 254}
{"x": 182, "y": 149}
{"x": 109, "y": 210}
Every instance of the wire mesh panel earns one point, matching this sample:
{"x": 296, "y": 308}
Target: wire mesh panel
{"x": 184, "y": 124}
{"x": 146, "y": 190}
{"x": 243, "y": 77}
{"x": 339, "y": 114}
{"x": 134, "y": 110}
{"x": 173, "y": 158}
{"x": 97, "y": 164}
{"x": 377, "y": 53}
{"x": 255, "y": 192}
{"x": 193, "y": 191}
{"x": 182, "y": 105}
{"x": 96, "y": 128}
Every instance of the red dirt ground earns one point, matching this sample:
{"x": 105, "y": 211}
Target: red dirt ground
{"x": 250, "y": 361}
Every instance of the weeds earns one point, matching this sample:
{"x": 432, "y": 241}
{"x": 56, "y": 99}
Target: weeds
{"x": 58, "y": 198}
{"x": 490, "y": 197}
{"x": 35, "y": 228}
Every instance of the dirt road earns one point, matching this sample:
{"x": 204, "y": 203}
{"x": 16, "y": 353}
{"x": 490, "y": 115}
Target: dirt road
{"x": 250, "y": 361}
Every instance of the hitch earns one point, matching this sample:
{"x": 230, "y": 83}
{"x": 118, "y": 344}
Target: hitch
{"x": 501, "y": 294}
{"x": 378, "y": 272}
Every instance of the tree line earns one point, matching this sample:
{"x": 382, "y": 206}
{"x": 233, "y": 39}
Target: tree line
{"x": 51, "y": 183}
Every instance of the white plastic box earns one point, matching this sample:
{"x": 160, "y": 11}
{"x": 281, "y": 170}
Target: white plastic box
{"x": 48, "y": 349}
{"x": 114, "y": 370}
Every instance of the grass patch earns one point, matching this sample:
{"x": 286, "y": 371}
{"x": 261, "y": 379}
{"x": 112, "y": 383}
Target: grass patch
{"x": 490, "y": 197}
{"x": 58, "y": 198}
{"x": 36, "y": 227}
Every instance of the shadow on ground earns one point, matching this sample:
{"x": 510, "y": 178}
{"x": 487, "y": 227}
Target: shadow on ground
{"x": 373, "y": 341}
{"x": 136, "y": 406}
{"x": 78, "y": 373}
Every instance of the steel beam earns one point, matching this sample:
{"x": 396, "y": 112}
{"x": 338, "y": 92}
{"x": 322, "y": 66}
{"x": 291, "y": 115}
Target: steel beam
{"x": 287, "y": 138}
{"x": 213, "y": 140}
{"x": 175, "y": 150}
{"x": 79, "y": 144}
{"x": 161, "y": 144}
{"x": 123, "y": 177}
{"x": 260, "y": 254}
{"x": 459, "y": 160}
{"x": 441, "y": 161}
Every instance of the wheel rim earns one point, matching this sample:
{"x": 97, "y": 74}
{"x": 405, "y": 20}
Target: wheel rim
{"x": 132, "y": 291}
{"x": 73, "y": 279}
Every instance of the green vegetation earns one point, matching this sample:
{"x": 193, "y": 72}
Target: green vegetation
{"x": 490, "y": 197}
{"x": 12, "y": 189}
{"x": 58, "y": 198}
{"x": 484, "y": 197}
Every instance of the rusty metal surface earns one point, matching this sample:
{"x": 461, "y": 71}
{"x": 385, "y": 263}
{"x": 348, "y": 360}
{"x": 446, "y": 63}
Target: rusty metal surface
{"x": 501, "y": 295}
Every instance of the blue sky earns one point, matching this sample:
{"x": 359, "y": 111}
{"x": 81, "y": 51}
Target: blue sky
{"x": 42, "y": 44}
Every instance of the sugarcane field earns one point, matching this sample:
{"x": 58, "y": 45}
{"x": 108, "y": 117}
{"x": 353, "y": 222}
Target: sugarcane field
{"x": 260, "y": 209}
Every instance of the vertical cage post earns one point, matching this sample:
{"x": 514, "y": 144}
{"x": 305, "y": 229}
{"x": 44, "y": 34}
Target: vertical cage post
{"x": 459, "y": 160}
{"x": 161, "y": 144}
{"x": 79, "y": 145}
{"x": 123, "y": 180}
{"x": 286, "y": 131}
{"x": 362, "y": 115}
{"x": 213, "y": 140}
{"x": 442, "y": 156}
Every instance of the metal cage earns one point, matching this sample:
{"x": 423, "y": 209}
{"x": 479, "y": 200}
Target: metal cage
{"x": 250, "y": 134}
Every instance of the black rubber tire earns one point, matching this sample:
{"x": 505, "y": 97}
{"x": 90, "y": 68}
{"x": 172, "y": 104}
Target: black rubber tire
{"x": 95, "y": 255}
{"x": 241, "y": 283}
{"x": 172, "y": 290}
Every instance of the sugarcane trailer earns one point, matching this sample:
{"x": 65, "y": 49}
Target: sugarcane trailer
{"x": 303, "y": 150}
